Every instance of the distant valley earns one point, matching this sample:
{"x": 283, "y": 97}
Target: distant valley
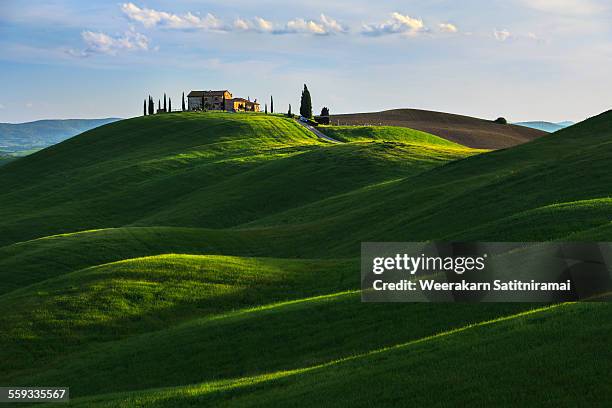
{"x": 549, "y": 127}
{"x": 19, "y": 139}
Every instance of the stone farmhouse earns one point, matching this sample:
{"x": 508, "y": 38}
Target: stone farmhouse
{"x": 219, "y": 100}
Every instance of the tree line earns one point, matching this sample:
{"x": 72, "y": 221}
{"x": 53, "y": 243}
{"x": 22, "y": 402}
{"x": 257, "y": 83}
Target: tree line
{"x": 149, "y": 105}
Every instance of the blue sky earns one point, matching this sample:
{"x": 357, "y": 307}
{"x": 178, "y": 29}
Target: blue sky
{"x": 522, "y": 59}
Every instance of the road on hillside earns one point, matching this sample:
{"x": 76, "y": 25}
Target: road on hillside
{"x": 317, "y": 132}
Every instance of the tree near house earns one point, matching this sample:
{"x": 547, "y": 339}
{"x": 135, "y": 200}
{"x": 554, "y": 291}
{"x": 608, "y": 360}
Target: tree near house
{"x": 306, "y": 103}
{"x": 325, "y": 111}
{"x": 202, "y": 106}
{"x": 223, "y": 102}
{"x": 183, "y": 102}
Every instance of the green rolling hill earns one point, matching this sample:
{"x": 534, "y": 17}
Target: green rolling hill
{"x": 211, "y": 259}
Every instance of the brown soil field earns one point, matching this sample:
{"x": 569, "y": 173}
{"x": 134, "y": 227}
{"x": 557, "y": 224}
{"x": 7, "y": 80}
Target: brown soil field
{"x": 466, "y": 130}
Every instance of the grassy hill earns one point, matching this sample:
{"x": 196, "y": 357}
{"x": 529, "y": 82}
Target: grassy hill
{"x": 24, "y": 138}
{"x": 464, "y": 130}
{"x": 211, "y": 259}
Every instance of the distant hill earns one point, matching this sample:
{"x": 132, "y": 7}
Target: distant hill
{"x": 30, "y": 136}
{"x": 549, "y": 127}
{"x": 4, "y": 158}
{"x": 465, "y": 130}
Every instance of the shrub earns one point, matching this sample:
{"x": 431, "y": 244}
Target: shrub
{"x": 501, "y": 121}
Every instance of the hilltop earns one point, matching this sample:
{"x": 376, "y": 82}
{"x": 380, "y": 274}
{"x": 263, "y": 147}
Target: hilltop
{"x": 24, "y": 138}
{"x": 465, "y": 130}
{"x": 202, "y": 259}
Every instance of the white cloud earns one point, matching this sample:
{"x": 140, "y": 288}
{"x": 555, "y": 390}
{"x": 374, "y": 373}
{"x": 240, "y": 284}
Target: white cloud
{"x": 101, "y": 43}
{"x": 324, "y": 26}
{"x": 153, "y": 18}
{"x": 299, "y": 25}
{"x": 501, "y": 35}
{"x": 398, "y": 24}
{"x": 257, "y": 24}
{"x": 448, "y": 28}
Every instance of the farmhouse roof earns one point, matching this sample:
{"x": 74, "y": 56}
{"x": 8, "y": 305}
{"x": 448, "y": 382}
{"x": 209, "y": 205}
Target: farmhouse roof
{"x": 193, "y": 94}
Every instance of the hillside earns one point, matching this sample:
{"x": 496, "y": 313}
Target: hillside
{"x": 546, "y": 126}
{"x": 206, "y": 259}
{"x": 464, "y": 130}
{"x": 23, "y": 138}
{"x": 386, "y": 133}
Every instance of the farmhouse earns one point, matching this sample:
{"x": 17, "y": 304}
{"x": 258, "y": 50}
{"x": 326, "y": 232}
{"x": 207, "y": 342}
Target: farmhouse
{"x": 219, "y": 100}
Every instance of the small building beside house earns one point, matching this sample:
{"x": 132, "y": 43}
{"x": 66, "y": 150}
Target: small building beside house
{"x": 219, "y": 100}
{"x": 241, "y": 104}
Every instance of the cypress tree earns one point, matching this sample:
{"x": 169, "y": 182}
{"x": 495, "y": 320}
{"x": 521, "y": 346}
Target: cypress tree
{"x": 202, "y": 100}
{"x": 169, "y": 104}
{"x": 266, "y": 109}
{"x": 145, "y": 108}
{"x": 158, "y": 105}
{"x": 223, "y": 106}
{"x": 164, "y": 101}
{"x": 183, "y": 102}
{"x": 306, "y": 103}
{"x": 289, "y": 113}
{"x": 271, "y": 104}
{"x": 151, "y": 107}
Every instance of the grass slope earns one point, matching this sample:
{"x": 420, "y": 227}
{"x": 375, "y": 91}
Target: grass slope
{"x": 220, "y": 170}
{"x": 212, "y": 259}
{"x": 385, "y": 133}
{"x": 465, "y": 130}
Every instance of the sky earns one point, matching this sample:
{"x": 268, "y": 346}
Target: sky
{"x": 521, "y": 59}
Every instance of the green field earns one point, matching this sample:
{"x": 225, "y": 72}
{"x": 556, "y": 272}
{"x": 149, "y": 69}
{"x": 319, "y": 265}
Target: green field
{"x": 212, "y": 259}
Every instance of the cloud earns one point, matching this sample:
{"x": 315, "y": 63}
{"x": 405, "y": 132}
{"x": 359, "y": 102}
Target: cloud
{"x": 154, "y": 18}
{"x": 398, "y": 24}
{"x": 502, "y": 35}
{"x": 448, "y": 28}
{"x": 257, "y": 24}
{"x": 101, "y": 43}
{"x": 324, "y": 26}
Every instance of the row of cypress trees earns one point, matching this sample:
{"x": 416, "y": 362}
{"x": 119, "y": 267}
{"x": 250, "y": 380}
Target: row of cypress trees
{"x": 149, "y": 105}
